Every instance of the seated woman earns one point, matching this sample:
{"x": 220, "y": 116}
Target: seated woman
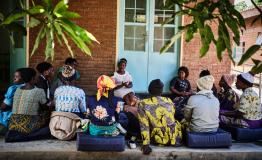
{"x": 227, "y": 96}
{"x": 181, "y": 90}
{"x": 202, "y": 109}
{"x": 124, "y": 84}
{"x": 29, "y": 118}
{"x": 6, "y": 106}
{"x": 103, "y": 109}
{"x": 70, "y": 106}
{"x": 156, "y": 117}
{"x": 248, "y": 111}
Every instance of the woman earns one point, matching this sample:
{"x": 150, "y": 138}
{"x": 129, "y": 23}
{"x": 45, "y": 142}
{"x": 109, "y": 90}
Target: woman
{"x": 227, "y": 96}
{"x": 181, "y": 90}
{"x": 6, "y": 106}
{"x": 248, "y": 111}
{"x": 202, "y": 109}
{"x": 103, "y": 109}
{"x": 29, "y": 119}
{"x": 156, "y": 117}
{"x": 70, "y": 106}
{"x": 124, "y": 84}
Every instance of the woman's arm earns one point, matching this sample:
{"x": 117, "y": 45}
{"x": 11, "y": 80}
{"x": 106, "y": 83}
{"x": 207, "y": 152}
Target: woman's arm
{"x": 235, "y": 114}
{"x": 173, "y": 90}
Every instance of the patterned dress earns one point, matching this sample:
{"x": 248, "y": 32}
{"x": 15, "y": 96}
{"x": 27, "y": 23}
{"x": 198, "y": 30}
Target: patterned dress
{"x": 157, "y": 122}
{"x": 250, "y": 106}
{"x": 27, "y": 115}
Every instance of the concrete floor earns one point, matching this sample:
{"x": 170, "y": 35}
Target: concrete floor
{"x": 56, "y": 150}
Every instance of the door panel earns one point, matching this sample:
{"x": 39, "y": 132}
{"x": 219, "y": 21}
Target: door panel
{"x": 141, "y": 37}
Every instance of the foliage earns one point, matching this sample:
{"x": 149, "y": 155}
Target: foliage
{"x": 55, "y": 26}
{"x": 220, "y": 13}
{"x": 12, "y": 27}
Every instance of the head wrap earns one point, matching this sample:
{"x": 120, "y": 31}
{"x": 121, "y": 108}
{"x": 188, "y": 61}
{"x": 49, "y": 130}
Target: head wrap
{"x": 104, "y": 84}
{"x": 246, "y": 78}
{"x": 205, "y": 83}
{"x": 68, "y": 73}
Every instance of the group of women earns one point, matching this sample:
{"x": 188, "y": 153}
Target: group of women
{"x": 38, "y": 108}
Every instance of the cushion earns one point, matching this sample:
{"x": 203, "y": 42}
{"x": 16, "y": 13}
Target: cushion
{"x": 245, "y": 134}
{"x": 87, "y": 142}
{"x": 14, "y": 136}
{"x": 217, "y": 139}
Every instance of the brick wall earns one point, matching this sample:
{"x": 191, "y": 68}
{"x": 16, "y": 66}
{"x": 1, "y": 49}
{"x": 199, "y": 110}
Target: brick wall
{"x": 190, "y": 58}
{"x": 100, "y": 18}
{"x": 250, "y": 36}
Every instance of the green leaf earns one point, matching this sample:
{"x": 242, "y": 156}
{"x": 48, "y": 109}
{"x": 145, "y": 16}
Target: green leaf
{"x": 203, "y": 50}
{"x": 220, "y": 46}
{"x": 67, "y": 45}
{"x": 257, "y": 68}
{"x": 256, "y": 61}
{"x": 48, "y": 5}
{"x": 171, "y": 42}
{"x": 48, "y": 47}
{"x": 76, "y": 38}
{"x": 91, "y": 36}
{"x": 33, "y": 22}
{"x": 36, "y": 9}
{"x": 234, "y": 12}
{"x": 190, "y": 32}
{"x": 39, "y": 37}
{"x": 59, "y": 32}
{"x": 60, "y": 7}
{"x": 250, "y": 52}
{"x": 67, "y": 14}
{"x": 78, "y": 31}
{"x": 13, "y": 17}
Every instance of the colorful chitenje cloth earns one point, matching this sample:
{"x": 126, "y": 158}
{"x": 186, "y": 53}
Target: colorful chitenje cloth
{"x": 27, "y": 123}
{"x": 104, "y": 84}
{"x": 157, "y": 122}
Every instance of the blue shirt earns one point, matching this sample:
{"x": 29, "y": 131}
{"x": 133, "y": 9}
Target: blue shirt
{"x": 70, "y": 99}
{"x": 10, "y": 94}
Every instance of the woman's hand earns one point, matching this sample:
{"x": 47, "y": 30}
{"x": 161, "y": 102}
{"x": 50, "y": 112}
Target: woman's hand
{"x": 146, "y": 149}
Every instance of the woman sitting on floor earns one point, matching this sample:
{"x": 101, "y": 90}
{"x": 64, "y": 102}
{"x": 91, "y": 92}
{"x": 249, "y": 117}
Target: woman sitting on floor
{"x": 29, "y": 120}
{"x": 70, "y": 106}
{"x": 156, "y": 117}
{"x": 124, "y": 84}
{"x": 248, "y": 110}
{"x": 202, "y": 109}
{"x": 227, "y": 96}
{"x": 6, "y": 106}
{"x": 103, "y": 109}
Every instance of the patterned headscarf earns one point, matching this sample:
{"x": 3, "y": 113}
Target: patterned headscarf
{"x": 229, "y": 79}
{"x": 104, "y": 84}
{"x": 68, "y": 73}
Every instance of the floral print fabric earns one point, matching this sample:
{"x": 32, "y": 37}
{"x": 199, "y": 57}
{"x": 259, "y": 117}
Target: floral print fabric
{"x": 250, "y": 105}
{"x": 157, "y": 122}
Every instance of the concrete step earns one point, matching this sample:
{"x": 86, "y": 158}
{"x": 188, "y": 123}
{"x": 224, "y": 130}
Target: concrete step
{"x": 66, "y": 150}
